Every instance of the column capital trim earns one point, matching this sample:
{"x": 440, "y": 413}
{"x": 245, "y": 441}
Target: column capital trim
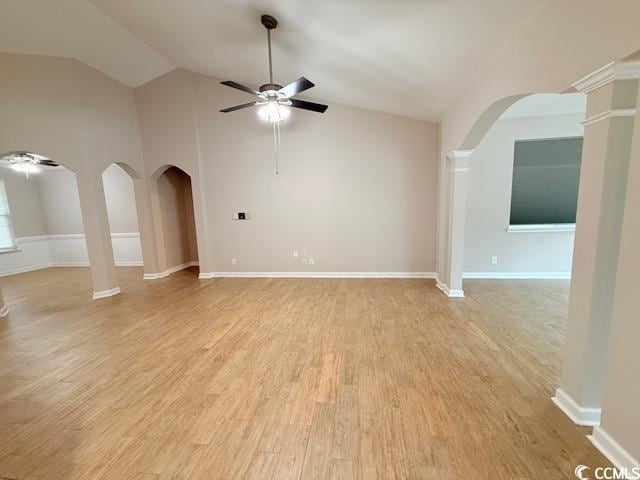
{"x": 607, "y": 74}
{"x": 459, "y": 160}
{"x": 599, "y": 117}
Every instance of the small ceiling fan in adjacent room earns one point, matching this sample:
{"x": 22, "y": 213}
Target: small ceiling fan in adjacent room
{"x": 26, "y": 162}
{"x": 274, "y": 100}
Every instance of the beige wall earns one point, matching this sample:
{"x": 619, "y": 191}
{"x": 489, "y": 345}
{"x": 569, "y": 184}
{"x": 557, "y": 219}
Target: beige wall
{"x": 356, "y": 188}
{"x": 60, "y": 202}
{"x": 176, "y": 202}
{"x": 489, "y": 202}
{"x": 25, "y": 203}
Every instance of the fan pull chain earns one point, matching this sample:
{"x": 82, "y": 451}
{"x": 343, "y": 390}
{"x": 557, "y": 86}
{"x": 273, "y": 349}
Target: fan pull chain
{"x": 276, "y": 143}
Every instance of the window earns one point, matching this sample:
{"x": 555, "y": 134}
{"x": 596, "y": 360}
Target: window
{"x": 7, "y": 239}
{"x": 544, "y": 194}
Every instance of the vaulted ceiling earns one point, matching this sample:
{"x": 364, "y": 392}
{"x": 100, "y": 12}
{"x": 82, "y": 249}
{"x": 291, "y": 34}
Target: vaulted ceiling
{"x": 409, "y": 57}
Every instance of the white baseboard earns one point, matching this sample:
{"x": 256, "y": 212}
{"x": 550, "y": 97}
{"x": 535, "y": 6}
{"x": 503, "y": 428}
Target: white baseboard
{"x": 447, "y": 291}
{"x": 44, "y": 251}
{"x": 317, "y": 275}
{"x": 30, "y": 268}
{"x": 519, "y": 275}
{"x": 134, "y": 263}
{"x": 106, "y": 293}
{"x": 611, "y": 449}
{"x": 455, "y": 293}
{"x": 583, "y": 416}
{"x": 169, "y": 271}
{"x": 4, "y": 311}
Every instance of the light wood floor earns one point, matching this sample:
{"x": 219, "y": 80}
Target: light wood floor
{"x": 283, "y": 378}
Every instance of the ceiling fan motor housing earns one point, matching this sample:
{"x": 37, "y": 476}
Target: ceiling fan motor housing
{"x": 270, "y": 86}
{"x": 269, "y": 22}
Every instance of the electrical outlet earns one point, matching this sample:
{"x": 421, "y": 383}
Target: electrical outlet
{"x": 304, "y": 261}
{"x": 234, "y": 261}
{"x": 494, "y": 260}
{"x": 295, "y": 254}
{"x": 311, "y": 261}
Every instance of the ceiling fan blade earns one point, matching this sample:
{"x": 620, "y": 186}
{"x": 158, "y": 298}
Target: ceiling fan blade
{"x": 49, "y": 163}
{"x": 239, "y": 86}
{"x": 315, "y": 107}
{"x": 294, "y": 88}
{"x": 238, "y": 107}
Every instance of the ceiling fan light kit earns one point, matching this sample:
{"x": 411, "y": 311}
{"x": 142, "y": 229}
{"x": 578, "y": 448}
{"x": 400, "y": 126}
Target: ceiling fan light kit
{"x": 26, "y": 162}
{"x": 274, "y": 101}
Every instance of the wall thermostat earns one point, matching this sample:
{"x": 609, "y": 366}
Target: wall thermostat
{"x": 241, "y": 216}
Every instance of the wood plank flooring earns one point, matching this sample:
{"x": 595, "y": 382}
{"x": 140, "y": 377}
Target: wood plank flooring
{"x": 183, "y": 378}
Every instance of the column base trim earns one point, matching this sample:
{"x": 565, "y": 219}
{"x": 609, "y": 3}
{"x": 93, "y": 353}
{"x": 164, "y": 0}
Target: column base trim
{"x": 583, "y": 416}
{"x": 611, "y": 449}
{"x": 447, "y": 291}
{"x": 106, "y": 293}
{"x": 169, "y": 271}
{"x": 4, "y": 311}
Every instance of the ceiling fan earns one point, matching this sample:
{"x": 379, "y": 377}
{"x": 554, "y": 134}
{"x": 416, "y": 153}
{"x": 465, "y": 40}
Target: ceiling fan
{"x": 26, "y": 162}
{"x": 275, "y": 99}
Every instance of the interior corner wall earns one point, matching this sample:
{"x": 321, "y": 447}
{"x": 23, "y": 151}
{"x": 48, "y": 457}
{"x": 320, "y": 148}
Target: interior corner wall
{"x": 489, "y": 204}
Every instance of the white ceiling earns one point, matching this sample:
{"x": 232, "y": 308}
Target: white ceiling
{"x": 77, "y": 29}
{"x": 410, "y": 57}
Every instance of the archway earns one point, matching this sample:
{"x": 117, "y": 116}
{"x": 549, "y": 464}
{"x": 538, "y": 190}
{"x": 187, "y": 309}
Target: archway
{"x": 175, "y": 218}
{"x": 523, "y": 190}
{"x": 43, "y": 217}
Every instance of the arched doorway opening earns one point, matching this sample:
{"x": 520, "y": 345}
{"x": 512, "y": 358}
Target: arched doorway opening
{"x": 175, "y": 208}
{"x": 523, "y": 190}
{"x": 42, "y": 226}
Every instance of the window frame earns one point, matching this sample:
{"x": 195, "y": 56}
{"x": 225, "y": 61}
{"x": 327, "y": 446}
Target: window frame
{"x": 537, "y": 227}
{"x": 12, "y": 234}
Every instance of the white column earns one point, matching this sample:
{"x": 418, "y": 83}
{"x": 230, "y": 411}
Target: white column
{"x": 458, "y": 166}
{"x": 617, "y": 436}
{"x": 611, "y": 99}
{"x": 145, "y": 224}
{"x": 4, "y": 310}
{"x": 159, "y": 269}
{"x": 97, "y": 235}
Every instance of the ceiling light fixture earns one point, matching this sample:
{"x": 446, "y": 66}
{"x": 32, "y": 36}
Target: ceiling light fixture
{"x": 25, "y": 168}
{"x": 26, "y": 162}
{"x": 274, "y": 112}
